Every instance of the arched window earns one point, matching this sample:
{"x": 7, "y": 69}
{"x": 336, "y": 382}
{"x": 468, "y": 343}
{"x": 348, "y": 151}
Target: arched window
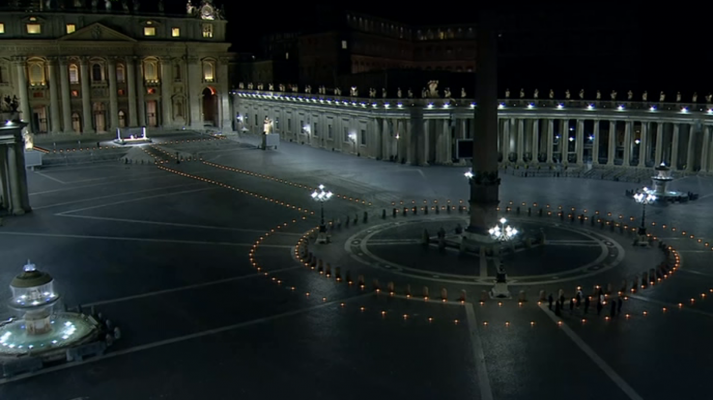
{"x": 208, "y": 71}
{"x": 122, "y": 119}
{"x": 37, "y": 74}
{"x": 97, "y": 73}
{"x": 120, "y": 73}
{"x": 150, "y": 72}
{"x": 73, "y": 73}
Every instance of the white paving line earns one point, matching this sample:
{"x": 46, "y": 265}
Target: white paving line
{"x": 618, "y": 380}
{"x": 50, "y": 178}
{"x": 150, "y": 240}
{"x": 137, "y": 221}
{"x": 145, "y": 177}
{"x": 672, "y": 306}
{"x": 112, "y": 195}
{"x": 116, "y": 203}
{"x": 188, "y": 287}
{"x": 486, "y": 392}
{"x": 179, "y": 339}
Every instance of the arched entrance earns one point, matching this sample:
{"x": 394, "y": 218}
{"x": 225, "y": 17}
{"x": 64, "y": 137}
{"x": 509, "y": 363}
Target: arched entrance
{"x": 76, "y": 122}
{"x": 210, "y": 107}
{"x": 99, "y": 117}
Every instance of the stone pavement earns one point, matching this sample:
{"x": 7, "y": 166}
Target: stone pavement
{"x": 196, "y": 261}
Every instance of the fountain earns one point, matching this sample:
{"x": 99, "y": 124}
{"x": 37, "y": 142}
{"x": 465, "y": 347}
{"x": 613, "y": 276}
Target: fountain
{"x": 41, "y": 334}
{"x": 660, "y": 181}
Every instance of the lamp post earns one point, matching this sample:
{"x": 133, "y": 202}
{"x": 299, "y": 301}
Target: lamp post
{"x": 321, "y": 196}
{"x": 502, "y": 232}
{"x": 644, "y": 197}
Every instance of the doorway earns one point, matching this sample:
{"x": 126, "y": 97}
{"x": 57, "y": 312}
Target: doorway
{"x": 210, "y": 107}
{"x": 39, "y": 119}
{"x": 151, "y": 107}
{"x": 100, "y": 117}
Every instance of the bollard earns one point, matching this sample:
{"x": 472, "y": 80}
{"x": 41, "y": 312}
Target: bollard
{"x": 462, "y": 296}
{"x": 425, "y": 209}
{"x": 623, "y": 286}
{"x": 390, "y": 287}
{"x": 448, "y": 209}
{"x": 529, "y": 211}
{"x": 414, "y": 210}
{"x": 425, "y": 292}
{"x": 540, "y": 212}
{"x": 356, "y": 219}
{"x": 117, "y": 333}
{"x": 522, "y": 297}
{"x": 337, "y": 273}
{"x": 376, "y": 284}
{"x": 460, "y": 209}
{"x": 348, "y": 277}
{"x": 383, "y": 214}
{"x": 444, "y": 294}
{"x": 517, "y": 210}
{"x": 483, "y": 296}
{"x": 543, "y": 297}
{"x": 393, "y": 211}
{"x": 425, "y": 238}
{"x": 366, "y": 217}
{"x": 361, "y": 280}
{"x": 408, "y": 290}
{"x": 609, "y": 288}
{"x": 346, "y": 223}
{"x": 320, "y": 268}
{"x": 328, "y": 270}
{"x": 437, "y": 210}
{"x": 405, "y": 211}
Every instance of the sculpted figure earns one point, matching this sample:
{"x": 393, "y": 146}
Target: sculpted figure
{"x": 295, "y": 88}
{"x": 250, "y": 86}
{"x": 678, "y": 97}
{"x": 190, "y": 9}
{"x": 94, "y": 4}
{"x": 433, "y": 88}
{"x": 241, "y": 85}
{"x": 645, "y": 96}
{"x": 354, "y": 92}
{"x": 581, "y": 94}
{"x": 662, "y": 97}
{"x": 522, "y": 93}
{"x": 410, "y": 93}
{"x": 552, "y": 94}
{"x": 398, "y": 93}
{"x": 613, "y": 94}
{"x": 270, "y": 87}
{"x": 125, "y": 5}
{"x": 463, "y": 94}
{"x": 136, "y": 4}
{"x": 160, "y": 6}
{"x": 630, "y": 95}
{"x": 383, "y": 92}
{"x": 567, "y": 95}
{"x": 281, "y": 87}
{"x": 709, "y": 97}
{"x": 308, "y": 89}
{"x": 507, "y": 93}
{"x": 107, "y": 5}
{"x": 599, "y": 95}
{"x": 694, "y": 98}
{"x": 424, "y": 93}
{"x": 536, "y": 94}
{"x": 447, "y": 93}
{"x": 372, "y": 93}
{"x": 259, "y": 86}
{"x": 337, "y": 91}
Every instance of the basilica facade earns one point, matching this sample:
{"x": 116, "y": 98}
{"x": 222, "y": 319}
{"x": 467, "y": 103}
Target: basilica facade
{"x": 95, "y": 68}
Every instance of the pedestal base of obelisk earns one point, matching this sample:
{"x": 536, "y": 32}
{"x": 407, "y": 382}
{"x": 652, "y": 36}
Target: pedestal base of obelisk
{"x": 642, "y": 241}
{"x": 500, "y": 291}
{"x": 322, "y": 238}
{"x": 477, "y": 243}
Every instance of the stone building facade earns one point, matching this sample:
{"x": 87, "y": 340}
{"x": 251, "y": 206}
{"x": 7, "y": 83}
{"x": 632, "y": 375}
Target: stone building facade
{"x": 86, "y": 70}
{"x": 532, "y": 131}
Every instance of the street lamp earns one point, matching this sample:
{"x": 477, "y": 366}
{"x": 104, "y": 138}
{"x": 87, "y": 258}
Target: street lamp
{"x": 502, "y": 232}
{"x": 644, "y": 198}
{"x": 469, "y": 175}
{"x": 321, "y": 196}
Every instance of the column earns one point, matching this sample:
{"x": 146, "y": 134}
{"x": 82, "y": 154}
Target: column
{"x": 55, "y": 124}
{"x": 520, "y": 140}
{"x": 87, "y": 125}
{"x": 410, "y": 143}
{"x": 14, "y": 178}
{"x": 659, "y": 143}
{"x": 424, "y": 141}
{"x": 643, "y": 144}
{"x": 535, "y": 141}
{"x": 194, "y": 92}
{"x": 166, "y": 77}
{"x": 448, "y": 141}
{"x": 505, "y": 148}
{"x": 611, "y": 152}
{"x": 595, "y": 145}
{"x": 131, "y": 89}
{"x": 550, "y": 139}
{"x": 442, "y": 142}
{"x": 463, "y": 129}
{"x": 141, "y": 92}
{"x": 19, "y": 150}
{"x": 224, "y": 91}
{"x": 579, "y": 142}
{"x": 691, "y": 151}
{"x": 627, "y": 144}
{"x": 113, "y": 99}
{"x": 386, "y": 140}
{"x": 64, "y": 90}
{"x": 706, "y": 148}
{"x": 674, "y": 145}
{"x": 564, "y": 140}
{"x": 24, "y": 94}
{"x": 4, "y": 181}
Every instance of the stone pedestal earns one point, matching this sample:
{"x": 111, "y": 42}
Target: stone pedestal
{"x": 322, "y": 238}
{"x": 500, "y": 291}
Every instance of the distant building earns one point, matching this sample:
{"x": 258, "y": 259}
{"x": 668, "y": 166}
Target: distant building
{"x": 117, "y": 64}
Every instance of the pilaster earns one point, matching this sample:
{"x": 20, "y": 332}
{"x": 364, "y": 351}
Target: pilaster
{"x": 65, "y": 91}
{"x": 643, "y": 144}
{"x": 55, "y": 124}
{"x": 550, "y": 139}
{"x": 166, "y": 78}
{"x": 131, "y": 92}
{"x": 87, "y": 123}
{"x": 113, "y": 97}
{"x": 675, "y": 145}
{"x": 627, "y": 144}
{"x": 520, "y": 140}
{"x": 579, "y": 142}
{"x": 595, "y": 145}
{"x": 535, "y": 141}
{"x": 659, "y": 144}
{"x": 611, "y": 151}
{"x": 691, "y": 151}
{"x": 21, "y": 70}
{"x": 705, "y": 153}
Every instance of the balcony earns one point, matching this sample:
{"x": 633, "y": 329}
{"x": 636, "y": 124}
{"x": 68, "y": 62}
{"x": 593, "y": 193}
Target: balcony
{"x": 152, "y": 82}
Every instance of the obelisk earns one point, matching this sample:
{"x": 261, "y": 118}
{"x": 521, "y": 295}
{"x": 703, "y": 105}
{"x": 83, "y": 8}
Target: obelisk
{"x": 485, "y": 183}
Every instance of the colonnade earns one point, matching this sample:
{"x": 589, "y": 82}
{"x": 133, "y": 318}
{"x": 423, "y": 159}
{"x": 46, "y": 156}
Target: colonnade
{"x": 426, "y": 134}
{"x": 13, "y": 178}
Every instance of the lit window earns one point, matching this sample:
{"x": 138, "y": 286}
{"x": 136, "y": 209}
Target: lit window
{"x": 207, "y": 30}
{"x": 73, "y": 74}
{"x": 34, "y": 29}
{"x": 2, "y": 27}
{"x": 149, "y": 31}
{"x": 37, "y": 74}
{"x": 120, "y": 74}
{"x": 176, "y": 32}
{"x": 208, "y": 74}
{"x": 344, "y": 44}
{"x": 71, "y": 28}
